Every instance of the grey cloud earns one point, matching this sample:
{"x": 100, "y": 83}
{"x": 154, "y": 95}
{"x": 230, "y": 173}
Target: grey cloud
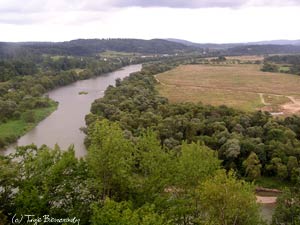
{"x": 183, "y": 4}
{"x": 204, "y": 3}
{"x": 24, "y": 12}
{"x": 29, "y": 6}
{"x": 16, "y": 6}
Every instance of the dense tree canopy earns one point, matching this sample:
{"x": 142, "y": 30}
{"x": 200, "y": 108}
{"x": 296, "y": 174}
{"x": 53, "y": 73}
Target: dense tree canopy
{"x": 121, "y": 181}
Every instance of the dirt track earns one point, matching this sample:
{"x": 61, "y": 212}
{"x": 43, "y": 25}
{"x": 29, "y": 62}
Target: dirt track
{"x": 292, "y": 107}
{"x": 266, "y": 199}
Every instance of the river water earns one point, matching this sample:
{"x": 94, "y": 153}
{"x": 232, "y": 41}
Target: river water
{"x": 62, "y": 126}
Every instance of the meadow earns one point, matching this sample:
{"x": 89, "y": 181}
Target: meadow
{"x": 241, "y": 86}
{"x": 15, "y": 128}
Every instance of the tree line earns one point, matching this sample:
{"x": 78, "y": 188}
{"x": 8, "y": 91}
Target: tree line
{"x": 291, "y": 63}
{"x": 92, "y": 47}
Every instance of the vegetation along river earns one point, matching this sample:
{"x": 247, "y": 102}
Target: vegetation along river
{"x": 62, "y": 127}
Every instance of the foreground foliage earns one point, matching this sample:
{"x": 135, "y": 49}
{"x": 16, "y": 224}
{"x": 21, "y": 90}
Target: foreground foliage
{"x": 123, "y": 181}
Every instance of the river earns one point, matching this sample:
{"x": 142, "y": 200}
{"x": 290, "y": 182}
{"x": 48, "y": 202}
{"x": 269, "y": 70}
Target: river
{"x": 62, "y": 126}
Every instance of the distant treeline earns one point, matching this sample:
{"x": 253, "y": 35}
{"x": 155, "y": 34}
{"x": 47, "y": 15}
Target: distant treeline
{"x": 90, "y": 47}
{"x": 263, "y": 49}
{"x": 290, "y": 64}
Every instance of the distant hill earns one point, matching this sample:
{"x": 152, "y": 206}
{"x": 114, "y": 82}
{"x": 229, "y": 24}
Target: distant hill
{"x": 88, "y": 47}
{"x": 231, "y": 45}
{"x": 83, "y": 47}
{"x": 277, "y": 42}
{"x": 204, "y": 45}
{"x": 263, "y": 49}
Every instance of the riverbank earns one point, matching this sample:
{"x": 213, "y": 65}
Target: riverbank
{"x": 11, "y": 130}
{"x": 62, "y": 127}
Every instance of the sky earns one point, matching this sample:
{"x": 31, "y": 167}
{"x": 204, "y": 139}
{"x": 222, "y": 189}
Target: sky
{"x": 202, "y": 21}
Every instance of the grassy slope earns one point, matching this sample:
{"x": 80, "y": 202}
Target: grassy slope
{"x": 19, "y": 127}
{"x": 237, "y": 86}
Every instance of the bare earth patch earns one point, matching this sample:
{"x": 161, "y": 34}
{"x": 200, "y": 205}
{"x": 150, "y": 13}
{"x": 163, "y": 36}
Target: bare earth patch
{"x": 266, "y": 199}
{"x": 291, "y": 107}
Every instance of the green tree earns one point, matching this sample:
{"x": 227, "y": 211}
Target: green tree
{"x": 292, "y": 165}
{"x": 226, "y": 200}
{"x": 252, "y": 166}
{"x": 29, "y": 116}
{"x": 287, "y": 210}
{"x": 154, "y": 167}
{"x": 195, "y": 163}
{"x": 110, "y": 159}
{"x": 49, "y": 182}
{"x": 122, "y": 213}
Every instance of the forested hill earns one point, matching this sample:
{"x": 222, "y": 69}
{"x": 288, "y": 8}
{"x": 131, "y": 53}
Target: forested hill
{"x": 83, "y": 47}
{"x": 263, "y": 49}
{"x": 260, "y": 47}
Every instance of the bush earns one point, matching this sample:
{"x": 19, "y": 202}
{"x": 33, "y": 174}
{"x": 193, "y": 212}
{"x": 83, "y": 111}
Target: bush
{"x": 29, "y": 116}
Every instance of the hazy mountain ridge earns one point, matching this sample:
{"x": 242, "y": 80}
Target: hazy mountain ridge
{"x": 232, "y": 45}
{"x": 92, "y": 47}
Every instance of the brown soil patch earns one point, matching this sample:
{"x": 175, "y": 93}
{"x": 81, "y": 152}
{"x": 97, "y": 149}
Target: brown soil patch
{"x": 266, "y": 199}
{"x": 292, "y": 107}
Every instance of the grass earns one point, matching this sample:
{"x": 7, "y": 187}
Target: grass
{"x": 112, "y": 54}
{"x": 15, "y": 128}
{"x": 238, "y": 85}
{"x": 243, "y": 101}
{"x": 78, "y": 70}
{"x": 275, "y": 99}
{"x": 246, "y": 58}
{"x": 272, "y": 183}
{"x": 284, "y": 69}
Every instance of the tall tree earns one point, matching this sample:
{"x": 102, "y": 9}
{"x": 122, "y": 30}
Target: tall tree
{"x": 225, "y": 200}
{"x": 110, "y": 159}
{"x": 252, "y": 166}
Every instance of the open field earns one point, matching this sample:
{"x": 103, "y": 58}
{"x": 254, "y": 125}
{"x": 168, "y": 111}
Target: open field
{"x": 240, "y": 86}
{"x": 251, "y": 58}
{"x": 113, "y": 54}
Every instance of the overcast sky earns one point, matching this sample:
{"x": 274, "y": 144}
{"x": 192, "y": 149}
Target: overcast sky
{"x": 203, "y": 21}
